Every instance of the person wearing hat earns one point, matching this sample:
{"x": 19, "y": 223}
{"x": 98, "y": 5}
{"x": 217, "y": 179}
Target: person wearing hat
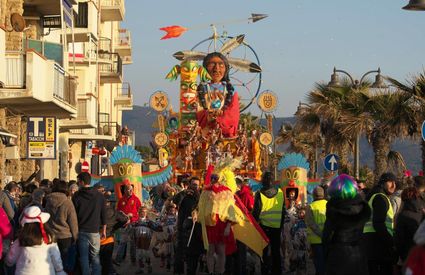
{"x": 218, "y": 99}
{"x": 346, "y": 215}
{"x": 34, "y": 252}
{"x": 379, "y": 230}
{"x": 315, "y": 218}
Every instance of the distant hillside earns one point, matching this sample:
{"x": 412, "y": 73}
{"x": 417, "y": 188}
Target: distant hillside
{"x": 141, "y": 119}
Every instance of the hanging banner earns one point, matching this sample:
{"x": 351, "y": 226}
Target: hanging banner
{"x": 68, "y": 13}
{"x": 41, "y": 138}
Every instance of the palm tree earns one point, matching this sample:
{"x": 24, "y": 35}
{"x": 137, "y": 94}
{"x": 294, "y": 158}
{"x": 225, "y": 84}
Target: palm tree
{"x": 415, "y": 86}
{"x": 250, "y": 122}
{"x": 329, "y": 104}
{"x": 393, "y": 116}
{"x": 346, "y": 111}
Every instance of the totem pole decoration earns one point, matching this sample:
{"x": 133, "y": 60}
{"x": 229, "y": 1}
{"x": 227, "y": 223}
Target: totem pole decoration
{"x": 294, "y": 168}
{"x": 188, "y": 71}
{"x": 127, "y": 169}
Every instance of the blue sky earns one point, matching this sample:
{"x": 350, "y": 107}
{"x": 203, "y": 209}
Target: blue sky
{"x": 298, "y": 44}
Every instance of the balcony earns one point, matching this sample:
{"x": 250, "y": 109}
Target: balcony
{"x": 46, "y": 7}
{"x": 112, "y": 10}
{"x": 50, "y": 50}
{"x": 124, "y": 98}
{"x": 37, "y": 86}
{"x": 110, "y": 67}
{"x": 86, "y": 114}
{"x": 85, "y": 53}
{"x": 123, "y": 43}
{"x": 107, "y": 127}
{"x": 85, "y": 22}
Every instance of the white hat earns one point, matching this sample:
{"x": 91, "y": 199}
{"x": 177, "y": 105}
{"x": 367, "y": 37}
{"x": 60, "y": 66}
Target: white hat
{"x": 33, "y": 214}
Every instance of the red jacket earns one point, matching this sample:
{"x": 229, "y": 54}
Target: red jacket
{"x": 415, "y": 264}
{"x": 245, "y": 194}
{"x": 130, "y": 205}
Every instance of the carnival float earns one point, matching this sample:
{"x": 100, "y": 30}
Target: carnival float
{"x": 209, "y": 126}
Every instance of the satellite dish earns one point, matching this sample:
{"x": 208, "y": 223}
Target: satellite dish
{"x": 18, "y": 22}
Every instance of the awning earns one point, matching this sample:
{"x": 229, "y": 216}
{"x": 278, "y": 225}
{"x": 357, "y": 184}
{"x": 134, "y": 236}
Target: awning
{"x": 90, "y": 137}
{"x": 6, "y": 133}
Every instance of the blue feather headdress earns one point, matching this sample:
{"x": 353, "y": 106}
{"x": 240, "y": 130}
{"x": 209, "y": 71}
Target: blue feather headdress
{"x": 125, "y": 153}
{"x": 293, "y": 159}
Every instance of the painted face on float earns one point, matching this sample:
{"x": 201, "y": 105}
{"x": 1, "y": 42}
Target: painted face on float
{"x": 216, "y": 68}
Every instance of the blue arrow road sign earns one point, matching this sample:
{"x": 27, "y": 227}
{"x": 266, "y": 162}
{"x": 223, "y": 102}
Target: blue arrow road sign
{"x": 331, "y": 162}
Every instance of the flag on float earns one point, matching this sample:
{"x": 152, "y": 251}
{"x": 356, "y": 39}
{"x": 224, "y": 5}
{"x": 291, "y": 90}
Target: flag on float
{"x": 249, "y": 231}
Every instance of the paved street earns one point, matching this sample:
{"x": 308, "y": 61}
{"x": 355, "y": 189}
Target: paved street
{"x": 127, "y": 268}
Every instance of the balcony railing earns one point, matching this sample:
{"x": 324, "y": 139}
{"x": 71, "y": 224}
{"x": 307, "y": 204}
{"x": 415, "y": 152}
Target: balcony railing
{"x": 84, "y": 52}
{"x": 64, "y": 86}
{"x": 115, "y": 65}
{"x": 29, "y": 75}
{"x": 123, "y": 39}
{"x": 52, "y": 51}
{"x": 124, "y": 98}
{"x": 15, "y": 70}
{"x": 105, "y": 126}
{"x": 110, "y": 67}
{"x": 105, "y": 45}
{"x": 122, "y": 43}
{"x": 124, "y": 90}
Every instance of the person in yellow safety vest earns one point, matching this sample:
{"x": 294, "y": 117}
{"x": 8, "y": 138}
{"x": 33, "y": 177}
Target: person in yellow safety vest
{"x": 315, "y": 217}
{"x": 378, "y": 231}
{"x": 269, "y": 211}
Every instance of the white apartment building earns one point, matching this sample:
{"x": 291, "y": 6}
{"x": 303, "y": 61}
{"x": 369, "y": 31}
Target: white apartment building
{"x": 67, "y": 63}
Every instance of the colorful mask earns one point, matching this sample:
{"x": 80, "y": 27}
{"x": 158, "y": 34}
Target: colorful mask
{"x": 127, "y": 169}
{"x": 294, "y": 168}
{"x": 189, "y": 70}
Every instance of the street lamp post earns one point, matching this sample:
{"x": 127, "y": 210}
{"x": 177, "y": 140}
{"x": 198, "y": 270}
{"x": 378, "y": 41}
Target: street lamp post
{"x": 415, "y": 5}
{"x": 355, "y": 84}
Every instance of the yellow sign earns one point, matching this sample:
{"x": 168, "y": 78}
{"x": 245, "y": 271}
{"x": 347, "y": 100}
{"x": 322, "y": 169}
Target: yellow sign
{"x": 267, "y": 101}
{"x": 41, "y": 138}
{"x": 161, "y": 139}
{"x": 266, "y": 139}
{"x": 159, "y": 101}
{"x": 50, "y": 129}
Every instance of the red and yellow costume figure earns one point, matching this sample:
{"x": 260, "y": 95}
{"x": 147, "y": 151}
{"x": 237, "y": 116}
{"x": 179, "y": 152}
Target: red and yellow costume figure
{"x": 293, "y": 170}
{"x": 223, "y": 216}
{"x": 219, "y": 103}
